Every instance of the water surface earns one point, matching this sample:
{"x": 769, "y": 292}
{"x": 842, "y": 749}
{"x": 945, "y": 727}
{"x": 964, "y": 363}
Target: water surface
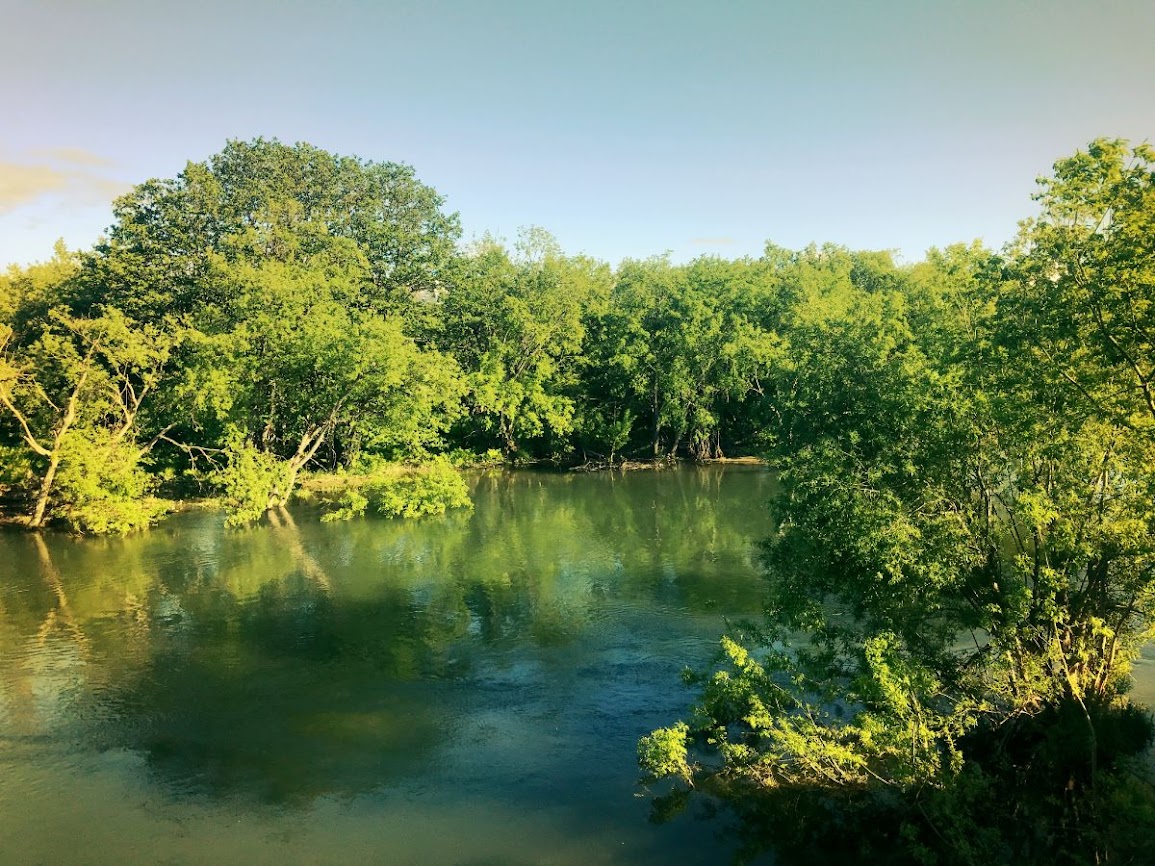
{"x": 462, "y": 689}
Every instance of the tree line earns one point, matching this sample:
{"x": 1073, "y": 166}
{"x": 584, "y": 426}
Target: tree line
{"x": 277, "y": 309}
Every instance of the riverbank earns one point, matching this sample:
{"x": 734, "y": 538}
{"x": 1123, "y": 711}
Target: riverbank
{"x": 664, "y": 463}
{"x": 338, "y": 492}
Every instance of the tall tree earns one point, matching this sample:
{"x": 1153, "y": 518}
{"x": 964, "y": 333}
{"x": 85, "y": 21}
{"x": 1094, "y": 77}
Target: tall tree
{"x": 304, "y": 364}
{"x": 676, "y": 346}
{"x": 299, "y": 277}
{"x": 1082, "y": 280}
{"x": 261, "y": 201}
{"x": 516, "y": 324}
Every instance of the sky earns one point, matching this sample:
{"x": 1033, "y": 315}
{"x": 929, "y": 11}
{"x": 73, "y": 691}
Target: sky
{"x": 627, "y": 128}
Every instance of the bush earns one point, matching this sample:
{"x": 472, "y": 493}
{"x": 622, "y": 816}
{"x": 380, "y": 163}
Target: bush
{"x": 351, "y": 504}
{"x": 463, "y": 458}
{"x": 247, "y": 481}
{"x": 665, "y": 753}
{"x": 431, "y": 489}
{"x": 101, "y": 487}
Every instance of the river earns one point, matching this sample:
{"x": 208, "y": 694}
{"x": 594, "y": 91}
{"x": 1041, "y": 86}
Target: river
{"x": 460, "y": 689}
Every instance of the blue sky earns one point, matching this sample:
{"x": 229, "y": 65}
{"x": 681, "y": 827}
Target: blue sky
{"x": 626, "y": 128}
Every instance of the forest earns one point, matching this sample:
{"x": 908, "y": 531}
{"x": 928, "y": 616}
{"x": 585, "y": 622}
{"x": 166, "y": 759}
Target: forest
{"x": 960, "y": 564}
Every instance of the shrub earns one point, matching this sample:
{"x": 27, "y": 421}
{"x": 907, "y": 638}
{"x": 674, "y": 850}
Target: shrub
{"x": 430, "y": 489}
{"x": 247, "y": 481}
{"x": 102, "y": 488}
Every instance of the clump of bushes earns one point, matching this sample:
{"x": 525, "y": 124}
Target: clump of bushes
{"x": 406, "y": 492}
{"x": 102, "y": 487}
{"x": 463, "y": 458}
{"x": 248, "y": 482}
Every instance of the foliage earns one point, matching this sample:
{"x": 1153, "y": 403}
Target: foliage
{"x": 15, "y": 469}
{"x": 430, "y": 489}
{"x": 305, "y": 365}
{"x": 352, "y": 503}
{"x": 28, "y": 293}
{"x": 249, "y": 480}
{"x": 102, "y": 487}
{"x": 963, "y": 564}
{"x": 516, "y": 327}
{"x": 1081, "y": 281}
{"x": 295, "y": 274}
{"x": 80, "y": 376}
{"x": 464, "y": 459}
{"x": 674, "y": 346}
{"x": 264, "y": 201}
{"x": 664, "y": 752}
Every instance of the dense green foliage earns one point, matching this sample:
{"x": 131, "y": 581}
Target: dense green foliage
{"x": 963, "y": 566}
{"x": 405, "y": 492}
{"x": 278, "y": 309}
{"x": 963, "y": 559}
{"x": 272, "y": 289}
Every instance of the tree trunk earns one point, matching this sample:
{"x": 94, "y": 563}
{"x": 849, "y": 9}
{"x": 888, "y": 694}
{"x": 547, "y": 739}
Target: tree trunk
{"x": 45, "y": 489}
{"x": 310, "y": 442}
{"x": 656, "y": 427}
{"x": 506, "y": 428}
{"x": 38, "y": 515}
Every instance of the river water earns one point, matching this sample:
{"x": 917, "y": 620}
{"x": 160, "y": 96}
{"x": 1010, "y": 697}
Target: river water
{"x": 460, "y": 689}
{"x": 466, "y": 689}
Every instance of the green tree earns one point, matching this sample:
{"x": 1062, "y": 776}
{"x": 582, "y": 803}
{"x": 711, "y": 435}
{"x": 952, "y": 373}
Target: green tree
{"x": 675, "y": 346}
{"x": 303, "y": 364}
{"x": 27, "y": 293}
{"x": 1081, "y": 281}
{"x": 516, "y": 324}
{"x": 262, "y": 201}
{"x": 963, "y": 564}
{"x": 76, "y": 394}
{"x": 298, "y": 277}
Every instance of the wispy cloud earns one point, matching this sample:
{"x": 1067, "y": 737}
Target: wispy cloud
{"x": 69, "y": 173}
{"x": 712, "y": 242}
{"x": 21, "y": 184}
{"x": 76, "y": 156}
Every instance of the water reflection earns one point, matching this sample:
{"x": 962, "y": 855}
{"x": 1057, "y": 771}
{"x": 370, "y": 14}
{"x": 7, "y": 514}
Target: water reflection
{"x": 508, "y": 656}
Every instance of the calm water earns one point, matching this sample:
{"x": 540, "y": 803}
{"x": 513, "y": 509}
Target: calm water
{"x": 467, "y": 689}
